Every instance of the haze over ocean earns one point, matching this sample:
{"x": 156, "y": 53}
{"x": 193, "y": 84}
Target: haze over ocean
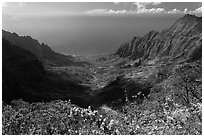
{"x": 66, "y": 31}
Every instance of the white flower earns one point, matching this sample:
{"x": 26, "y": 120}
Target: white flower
{"x": 117, "y": 131}
{"x": 89, "y": 107}
{"x": 139, "y": 93}
{"x": 111, "y": 123}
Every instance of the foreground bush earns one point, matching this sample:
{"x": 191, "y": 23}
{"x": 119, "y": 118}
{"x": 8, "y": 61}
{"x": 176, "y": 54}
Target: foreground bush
{"x": 61, "y": 117}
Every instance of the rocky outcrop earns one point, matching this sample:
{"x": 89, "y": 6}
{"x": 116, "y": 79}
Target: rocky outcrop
{"x": 182, "y": 41}
{"x": 42, "y": 51}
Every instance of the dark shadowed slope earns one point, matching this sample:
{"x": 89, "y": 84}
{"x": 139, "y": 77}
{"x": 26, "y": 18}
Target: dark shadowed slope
{"x": 42, "y": 51}
{"x": 24, "y": 77}
{"x": 20, "y": 69}
{"x": 182, "y": 41}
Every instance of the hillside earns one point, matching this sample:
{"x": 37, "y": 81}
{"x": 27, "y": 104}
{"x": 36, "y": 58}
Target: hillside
{"x": 152, "y": 85}
{"x": 181, "y": 42}
{"x": 42, "y": 51}
{"x": 25, "y": 77}
{"x": 143, "y": 62}
{"x": 19, "y": 67}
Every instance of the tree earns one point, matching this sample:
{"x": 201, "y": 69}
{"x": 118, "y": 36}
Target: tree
{"x": 186, "y": 78}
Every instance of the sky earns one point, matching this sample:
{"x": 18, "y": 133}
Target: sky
{"x": 88, "y": 28}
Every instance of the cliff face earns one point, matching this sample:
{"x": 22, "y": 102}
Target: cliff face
{"x": 182, "y": 41}
{"x": 42, "y": 51}
{"x": 20, "y": 70}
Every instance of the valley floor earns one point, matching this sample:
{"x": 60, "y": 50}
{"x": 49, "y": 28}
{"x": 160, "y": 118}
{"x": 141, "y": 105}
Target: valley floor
{"x": 171, "y": 106}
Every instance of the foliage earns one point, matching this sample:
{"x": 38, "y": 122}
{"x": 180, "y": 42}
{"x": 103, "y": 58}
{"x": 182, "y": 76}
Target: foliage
{"x": 187, "y": 79}
{"x": 62, "y": 117}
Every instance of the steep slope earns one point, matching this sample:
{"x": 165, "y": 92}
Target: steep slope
{"x": 20, "y": 67}
{"x": 42, "y": 51}
{"x": 150, "y": 61}
{"x": 24, "y": 76}
{"x": 182, "y": 41}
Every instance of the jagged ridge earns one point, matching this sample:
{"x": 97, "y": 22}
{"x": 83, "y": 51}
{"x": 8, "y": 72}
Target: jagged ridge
{"x": 182, "y": 41}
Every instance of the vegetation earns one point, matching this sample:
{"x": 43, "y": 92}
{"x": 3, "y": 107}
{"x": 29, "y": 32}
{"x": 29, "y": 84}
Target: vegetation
{"x": 61, "y": 117}
{"x": 116, "y": 96}
{"x": 171, "y": 105}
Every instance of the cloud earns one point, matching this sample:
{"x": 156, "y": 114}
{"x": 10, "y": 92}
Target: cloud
{"x": 116, "y": 2}
{"x": 174, "y": 11}
{"x": 4, "y": 4}
{"x": 106, "y": 11}
{"x": 13, "y": 4}
{"x": 156, "y": 3}
{"x": 110, "y": 11}
{"x": 97, "y": 11}
{"x": 142, "y": 7}
{"x": 21, "y": 4}
{"x": 145, "y": 4}
{"x": 186, "y": 11}
{"x": 198, "y": 10}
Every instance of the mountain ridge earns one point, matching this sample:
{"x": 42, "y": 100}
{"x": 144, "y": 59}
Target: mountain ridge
{"x": 176, "y": 42}
{"x": 42, "y": 51}
{"x": 25, "y": 77}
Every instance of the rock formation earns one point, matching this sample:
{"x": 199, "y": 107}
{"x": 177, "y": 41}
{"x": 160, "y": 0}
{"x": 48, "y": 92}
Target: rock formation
{"x": 182, "y": 41}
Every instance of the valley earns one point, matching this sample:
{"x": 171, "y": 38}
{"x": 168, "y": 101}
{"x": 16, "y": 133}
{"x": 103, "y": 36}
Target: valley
{"x": 151, "y": 85}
